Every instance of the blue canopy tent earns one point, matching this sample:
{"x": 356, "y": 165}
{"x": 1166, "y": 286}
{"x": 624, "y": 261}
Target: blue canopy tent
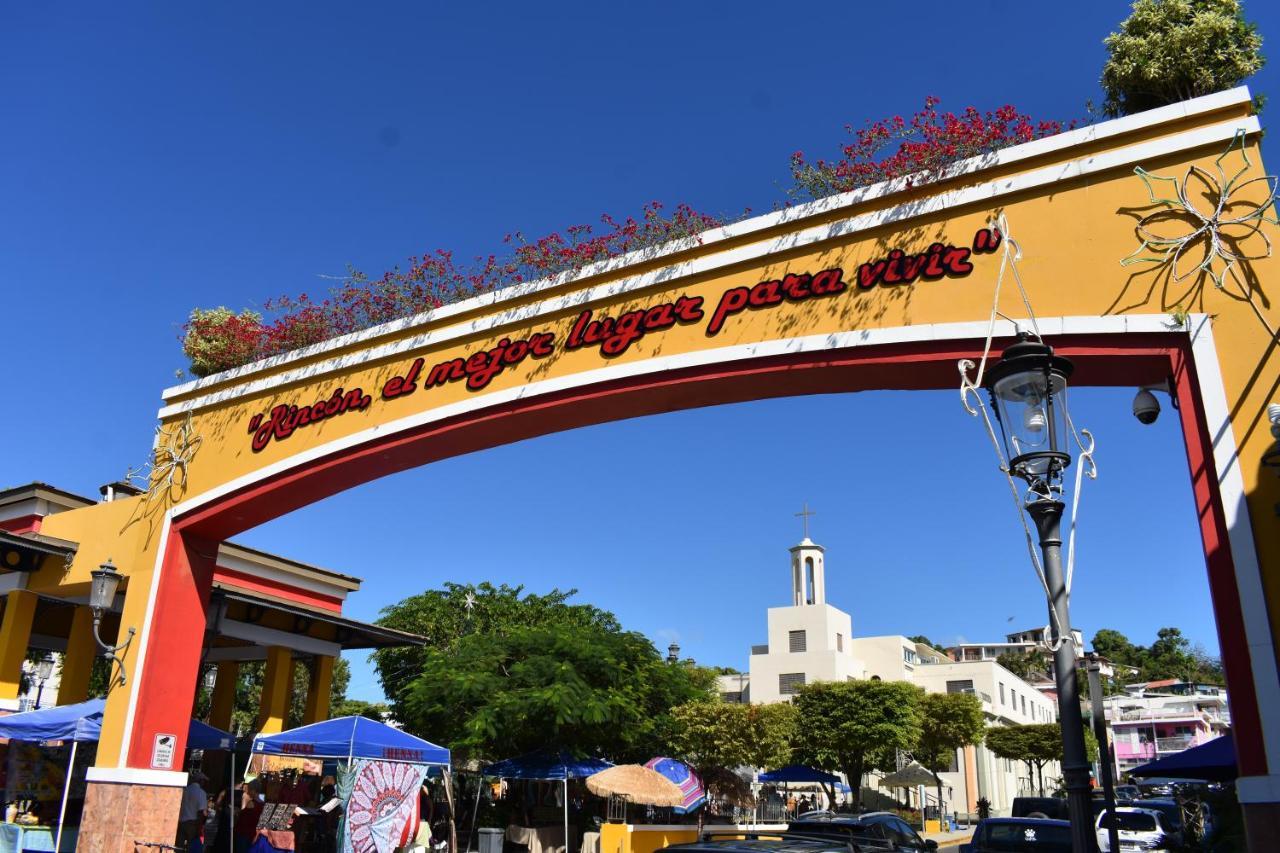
{"x": 352, "y": 737}
{"x": 1213, "y": 761}
{"x": 799, "y": 773}
{"x": 82, "y": 723}
{"x": 545, "y": 766}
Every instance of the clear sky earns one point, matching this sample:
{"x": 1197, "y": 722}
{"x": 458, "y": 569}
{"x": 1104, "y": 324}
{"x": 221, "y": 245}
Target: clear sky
{"x": 161, "y": 156}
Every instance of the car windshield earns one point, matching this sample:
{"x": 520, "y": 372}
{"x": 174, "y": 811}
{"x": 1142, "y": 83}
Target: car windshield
{"x": 1130, "y": 821}
{"x": 1048, "y": 838}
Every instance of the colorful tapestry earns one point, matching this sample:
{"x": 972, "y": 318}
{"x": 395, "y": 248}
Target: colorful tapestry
{"x": 381, "y": 799}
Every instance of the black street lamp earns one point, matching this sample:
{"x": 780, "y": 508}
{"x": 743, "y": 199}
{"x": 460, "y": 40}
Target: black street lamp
{"x": 1028, "y": 388}
{"x": 102, "y": 595}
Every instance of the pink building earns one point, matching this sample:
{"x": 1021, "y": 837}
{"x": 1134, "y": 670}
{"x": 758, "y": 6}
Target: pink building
{"x": 1160, "y": 718}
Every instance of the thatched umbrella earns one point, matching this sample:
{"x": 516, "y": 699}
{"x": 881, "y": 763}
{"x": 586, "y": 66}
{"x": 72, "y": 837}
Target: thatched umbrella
{"x": 638, "y": 784}
{"x": 908, "y": 777}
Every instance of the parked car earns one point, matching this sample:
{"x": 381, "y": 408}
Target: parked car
{"x": 1138, "y": 829}
{"x": 1127, "y": 792}
{"x": 738, "y": 841}
{"x": 1170, "y": 814}
{"x": 1042, "y": 807}
{"x": 1020, "y": 835}
{"x": 872, "y": 830}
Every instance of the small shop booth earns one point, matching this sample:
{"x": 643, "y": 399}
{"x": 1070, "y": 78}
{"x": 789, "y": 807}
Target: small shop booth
{"x": 373, "y": 803}
{"x": 46, "y": 758}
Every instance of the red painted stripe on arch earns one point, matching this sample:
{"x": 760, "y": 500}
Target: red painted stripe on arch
{"x": 245, "y": 580}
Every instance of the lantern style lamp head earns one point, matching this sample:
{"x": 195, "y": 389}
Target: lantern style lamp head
{"x": 44, "y": 669}
{"x": 102, "y": 593}
{"x": 1028, "y": 388}
{"x": 673, "y": 653}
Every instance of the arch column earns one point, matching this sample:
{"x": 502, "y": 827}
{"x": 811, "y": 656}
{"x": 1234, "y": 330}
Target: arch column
{"x": 77, "y": 663}
{"x": 224, "y": 694}
{"x": 277, "y": 689}
{"x": 318, "y": 690}
{"x": 15, "y": 635}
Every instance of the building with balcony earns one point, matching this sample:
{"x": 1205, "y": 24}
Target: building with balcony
{"x": 1160, "y": 718}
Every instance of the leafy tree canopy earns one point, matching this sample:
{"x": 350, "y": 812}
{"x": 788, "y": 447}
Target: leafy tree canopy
{"x": 714, "y": 737}
{"x": 1024, "y": 664}
{"x": 587, "y": 687}
{"x": 1171, "y": 656}
{"x": 1034, "y": 744}
{"x": 949, "y": 722}
{"x": 856, "y": 726}
{"x": 1170, "y": 50}
{"x": 445, "y": 616}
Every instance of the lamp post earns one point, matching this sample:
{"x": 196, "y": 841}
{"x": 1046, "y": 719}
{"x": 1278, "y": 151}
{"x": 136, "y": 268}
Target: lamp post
{"x": 1028, "y": 389}
{"x": 102, "y": 595}
{"x": 44, "y": 670}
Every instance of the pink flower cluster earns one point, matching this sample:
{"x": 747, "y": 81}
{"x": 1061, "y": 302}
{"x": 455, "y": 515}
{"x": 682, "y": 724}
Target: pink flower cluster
{"x": 219, "y": 340}
{"x": 926, "y": 143}
{"x": 216, "y": 340}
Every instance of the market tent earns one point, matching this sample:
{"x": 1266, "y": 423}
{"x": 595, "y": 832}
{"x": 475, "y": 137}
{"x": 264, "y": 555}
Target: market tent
{"x": 695, "y": 795}
{"x": 911, "y": 776}
{"x": 80, "y": 722}
{"x": 204, "y": 736}
{"x": 352, "y": 737}
{"x": 546, "y": 766}
{"x": 1213, "y": 761}
{"x": 799, "y": 773}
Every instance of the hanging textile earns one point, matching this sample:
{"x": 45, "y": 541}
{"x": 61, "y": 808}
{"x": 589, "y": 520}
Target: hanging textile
{"x": 381, "y": 800}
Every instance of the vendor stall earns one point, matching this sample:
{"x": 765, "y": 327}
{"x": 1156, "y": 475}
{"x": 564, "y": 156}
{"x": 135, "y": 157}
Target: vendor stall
{"x": 378, "y": 784}
{"x": 76, "y": 724}
{"x": 544, "y": 766}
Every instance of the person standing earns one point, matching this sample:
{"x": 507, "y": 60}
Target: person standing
{"x": 195, "y": 803}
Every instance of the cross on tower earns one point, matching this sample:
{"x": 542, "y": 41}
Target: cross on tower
{"x": 805, "y": 514}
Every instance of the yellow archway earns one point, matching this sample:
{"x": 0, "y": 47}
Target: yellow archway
{"x": 880, "y": 288}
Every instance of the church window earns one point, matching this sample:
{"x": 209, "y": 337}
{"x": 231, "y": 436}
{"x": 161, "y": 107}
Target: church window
{"x": 839, "y": 642}
{"x": 808, "y": 571}
{"x": 798, "y": 641}
{"x": 1002, "y": 701}
{"x": 789, "y": 683}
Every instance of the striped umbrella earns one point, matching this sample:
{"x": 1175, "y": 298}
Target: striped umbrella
{"x": 688, "y": 781}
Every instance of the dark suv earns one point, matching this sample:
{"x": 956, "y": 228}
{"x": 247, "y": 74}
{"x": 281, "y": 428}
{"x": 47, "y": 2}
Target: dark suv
{"x": 1020, "y": 835}
{"x": 872, "y": 830}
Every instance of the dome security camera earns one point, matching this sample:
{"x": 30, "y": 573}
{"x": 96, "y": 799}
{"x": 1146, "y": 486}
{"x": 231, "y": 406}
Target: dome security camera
{"x": 1146, "y": 408}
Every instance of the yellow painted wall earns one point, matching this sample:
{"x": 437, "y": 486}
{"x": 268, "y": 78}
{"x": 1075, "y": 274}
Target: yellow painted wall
{"x": 625, "y": 838}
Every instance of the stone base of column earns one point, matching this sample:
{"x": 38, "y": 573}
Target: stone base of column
{"x": 1261, "y": 825}
{"x": 120, "y": 813}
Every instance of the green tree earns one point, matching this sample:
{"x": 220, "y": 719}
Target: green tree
{"x": 584, "y": 688}
{"x": 923, "y": 640}
{"x": 360, "y": 708}
{"x": 854, "y": 727}
{"x": 1024, "y": 664}
{"x": 1035, "y": 745}
{"x": 714, "y": 737}
{"x": 445, "y": 616}
{"x": 950, "y": 721}
{"x": 1170, "y": 50}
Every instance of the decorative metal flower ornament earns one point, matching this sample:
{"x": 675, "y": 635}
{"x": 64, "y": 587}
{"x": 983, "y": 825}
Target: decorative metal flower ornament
{"x": 1212, "y": 220}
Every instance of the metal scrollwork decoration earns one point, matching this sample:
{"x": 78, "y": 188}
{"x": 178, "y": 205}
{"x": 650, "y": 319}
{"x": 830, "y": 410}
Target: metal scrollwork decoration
{"x": 1209, "y": 222}
{"x": 166, "y": 475}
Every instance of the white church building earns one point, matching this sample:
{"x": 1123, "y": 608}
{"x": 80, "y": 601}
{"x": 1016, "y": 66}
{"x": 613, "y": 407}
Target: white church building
{"x": 810, "y": 640}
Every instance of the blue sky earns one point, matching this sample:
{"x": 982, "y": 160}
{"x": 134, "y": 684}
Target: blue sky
{"x": 161, "y": 156}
